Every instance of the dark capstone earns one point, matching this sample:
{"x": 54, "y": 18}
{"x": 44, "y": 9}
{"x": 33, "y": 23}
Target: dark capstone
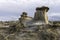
{"x": 42, "y": 8}
{"x": 24, "y": 13}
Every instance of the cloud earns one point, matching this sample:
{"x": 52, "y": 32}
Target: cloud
{"x": 54, "y": 16}
{"x": 16, "y": 7}
{"x": 10, "y": 18}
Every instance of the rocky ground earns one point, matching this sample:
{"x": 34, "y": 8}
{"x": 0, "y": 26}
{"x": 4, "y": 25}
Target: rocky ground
{"x": 31, "y": 33}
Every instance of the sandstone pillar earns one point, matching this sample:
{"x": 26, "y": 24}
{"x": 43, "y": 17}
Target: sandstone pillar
{"x": 41, "y": 14}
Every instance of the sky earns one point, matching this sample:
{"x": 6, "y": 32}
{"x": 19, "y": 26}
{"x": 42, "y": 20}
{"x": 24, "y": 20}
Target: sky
{"x": 12, "y": 9}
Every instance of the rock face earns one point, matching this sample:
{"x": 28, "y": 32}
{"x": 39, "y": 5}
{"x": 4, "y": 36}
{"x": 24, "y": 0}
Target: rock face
{"x": 28, "y": 28}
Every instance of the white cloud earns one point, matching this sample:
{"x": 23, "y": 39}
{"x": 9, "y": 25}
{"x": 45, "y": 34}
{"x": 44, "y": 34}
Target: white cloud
{"x": 54, "y": 16}
{"x": 10, "y": 18}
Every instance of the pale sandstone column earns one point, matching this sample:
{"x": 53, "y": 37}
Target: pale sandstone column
{"x": 41, "y": 15}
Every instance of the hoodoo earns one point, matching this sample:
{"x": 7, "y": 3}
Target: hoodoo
{"x": 41, "y": 15}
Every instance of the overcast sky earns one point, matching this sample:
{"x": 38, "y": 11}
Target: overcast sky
{"x": 12, "y": 9}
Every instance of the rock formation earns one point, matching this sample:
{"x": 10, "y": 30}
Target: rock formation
{"x": 28, "y": 28}
{"x": 41, "y": 15}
